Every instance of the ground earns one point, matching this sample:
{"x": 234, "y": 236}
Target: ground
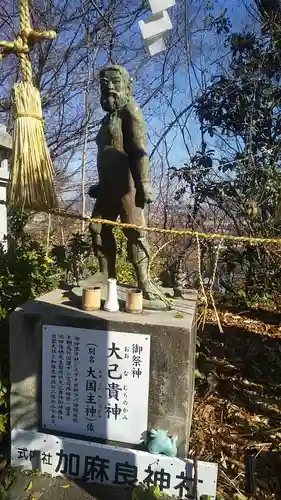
{"x": 237, "y": 409}
{"x": 34, "y": 487}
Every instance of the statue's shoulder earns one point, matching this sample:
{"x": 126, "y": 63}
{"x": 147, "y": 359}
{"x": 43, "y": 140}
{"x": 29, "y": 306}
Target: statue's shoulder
{"x": 105, "y": 120}
{"x": 132, "y": 112}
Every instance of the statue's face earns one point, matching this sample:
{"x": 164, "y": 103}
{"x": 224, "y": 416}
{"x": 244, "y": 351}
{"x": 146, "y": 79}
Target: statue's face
{"x": 114, "y": 91}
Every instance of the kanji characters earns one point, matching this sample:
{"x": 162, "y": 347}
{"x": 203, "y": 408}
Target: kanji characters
{"x": 90, "y": 398}
{"x": 158, "y": 478}
{"x": 125, "y": 473}
{"x": 96, "y": 468}
{"x": 91, "y": 385}
{"x": 90, "y": 411}
{"x": 46, "y": 458}
{"x": 113, "y": 351}
{"x": 112, "y": 410}
{"x": 186, "y": 484}
{"x": 113, "y": 391}
{"x": 91, "y": 372}
{"x": 113, "y": 370}
{"x": 23, "y": 453}
{"x": 136, "y": 372}
{"x": 137, "y": 349}
{"x": 68, "y": 464}
{"x": 92, "y": 349}
{"x": 136, "y": 360}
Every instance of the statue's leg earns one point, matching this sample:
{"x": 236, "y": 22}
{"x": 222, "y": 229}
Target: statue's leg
{"x": 138, "y": 255}
{"x": 137, "y": 244}
{"x": 109, "y": 250}
{"x": 104, "y": 244}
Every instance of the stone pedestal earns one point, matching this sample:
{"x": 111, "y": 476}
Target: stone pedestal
{"x": 172, "y": 358}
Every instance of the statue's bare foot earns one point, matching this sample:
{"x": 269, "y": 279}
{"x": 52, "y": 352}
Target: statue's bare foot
{"x": 149, "y": 292}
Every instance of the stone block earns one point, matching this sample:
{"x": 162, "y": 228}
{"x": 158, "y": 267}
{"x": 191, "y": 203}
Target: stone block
{"x": 172, "y": 358}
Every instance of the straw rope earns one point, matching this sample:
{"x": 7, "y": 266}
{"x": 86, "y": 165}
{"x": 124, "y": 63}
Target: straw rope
{"x": 28, "y": 115}
{"x": 254, "y": 241}
{"x": 25, "y": 40}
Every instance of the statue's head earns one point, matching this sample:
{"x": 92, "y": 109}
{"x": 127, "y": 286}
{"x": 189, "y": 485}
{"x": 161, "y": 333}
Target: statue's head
{"x": 115, "y": 87}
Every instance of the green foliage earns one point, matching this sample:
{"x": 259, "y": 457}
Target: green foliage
{"x": 26, "y": 271}
{"x": 243, "y": 106}
{"x": 4, "y": 495}
{"x": 144, "y": 492}
{"x": 220, "y": 23}
{"x": 75, "y": 258}
{"x": 124, "y": 269}
{"x": 3, "y": 405}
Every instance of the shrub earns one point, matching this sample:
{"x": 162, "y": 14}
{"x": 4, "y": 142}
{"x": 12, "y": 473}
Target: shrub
{"x": 26, "y": 271}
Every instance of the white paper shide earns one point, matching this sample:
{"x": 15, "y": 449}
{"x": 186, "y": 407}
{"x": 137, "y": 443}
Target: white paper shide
{"x": 160, "y": 5}
{"x": 95, "y": 383}
{"x": 156, "y": 27}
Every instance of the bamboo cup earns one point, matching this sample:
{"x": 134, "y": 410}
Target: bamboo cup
{"x": 134, "y": 301}
{"x": 91, "y": 299}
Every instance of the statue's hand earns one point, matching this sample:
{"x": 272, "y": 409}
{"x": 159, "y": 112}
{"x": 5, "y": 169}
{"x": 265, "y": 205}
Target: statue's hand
{"x": 93, "y": 191}
{"x": 145, "y": 194}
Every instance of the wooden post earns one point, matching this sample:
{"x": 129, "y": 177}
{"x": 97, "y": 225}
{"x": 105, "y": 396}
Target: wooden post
{"x": 5, "y": 152}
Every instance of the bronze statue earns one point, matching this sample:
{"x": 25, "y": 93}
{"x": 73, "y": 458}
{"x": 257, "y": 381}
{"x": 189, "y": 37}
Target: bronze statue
{"x": 123, "y": 169}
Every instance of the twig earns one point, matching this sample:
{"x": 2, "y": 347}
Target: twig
{"x": 231, "y": 482}
{"x": 267, "y": 431}
{"x": 211, "y": 287}
{"x": 205, "y": 299}
{"x": 48, "y": 232}
{"x": 156, "y": 290}
{"x": 195, "y": 484}
{"x": 250, "y": 473}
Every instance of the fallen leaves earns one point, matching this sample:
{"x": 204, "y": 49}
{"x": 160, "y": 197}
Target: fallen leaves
{"x": 35, "y": 495}
{"x": 244, "y": 411}
{"x": 29, "y": 486}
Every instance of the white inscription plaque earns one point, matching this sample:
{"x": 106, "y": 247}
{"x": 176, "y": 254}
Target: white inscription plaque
{"x": 95, "y": 383}
{"x": 106, "y": 464}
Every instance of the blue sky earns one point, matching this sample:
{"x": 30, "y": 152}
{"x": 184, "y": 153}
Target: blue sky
{"x": 147, "y": 75}
{"x": 237, "y": 13}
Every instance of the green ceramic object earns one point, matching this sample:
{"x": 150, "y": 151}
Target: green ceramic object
{"x": 161, "y": 443}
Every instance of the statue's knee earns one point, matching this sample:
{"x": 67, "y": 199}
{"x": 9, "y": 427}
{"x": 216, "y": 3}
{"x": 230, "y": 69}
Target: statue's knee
{"x": 96, "y": 239}
{"x": 137, "y": 251}
{"x": 95, "y": 229}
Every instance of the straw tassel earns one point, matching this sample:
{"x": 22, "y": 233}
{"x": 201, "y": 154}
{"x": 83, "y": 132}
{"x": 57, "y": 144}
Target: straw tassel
{"x": 31, "y": 182}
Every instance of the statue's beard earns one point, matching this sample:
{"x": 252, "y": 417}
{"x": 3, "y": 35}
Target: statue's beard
{"x": 113, "y": 102}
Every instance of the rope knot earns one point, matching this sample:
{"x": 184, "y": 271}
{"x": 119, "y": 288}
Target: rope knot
{"x": 25, "y": 40}
{"x": 21, "y": 45}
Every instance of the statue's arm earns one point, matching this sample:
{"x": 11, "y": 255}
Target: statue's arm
{"x": 135, "y": 144}
{"x": 99, "y": 165}
{"x": 95, "y": 188}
